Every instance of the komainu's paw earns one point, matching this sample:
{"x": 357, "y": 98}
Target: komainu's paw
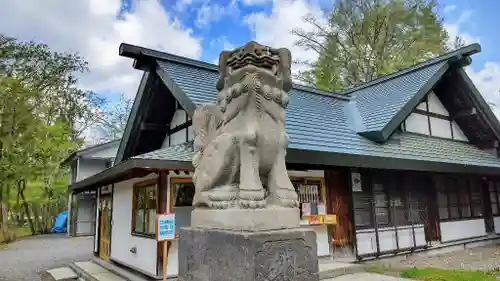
{"x": 251, "y": 204}
{"x": 252, "y": 199}
{"x": 287, "y": 198}
{"x": 220, "y": 204}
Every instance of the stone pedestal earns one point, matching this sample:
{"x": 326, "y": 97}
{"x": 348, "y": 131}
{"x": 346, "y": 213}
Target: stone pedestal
{"x": 271, "y": 218}
{"x": 224, "y": 255}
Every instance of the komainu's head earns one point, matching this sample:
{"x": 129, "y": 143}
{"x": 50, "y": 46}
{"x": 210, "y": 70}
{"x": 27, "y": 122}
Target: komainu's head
{"x": 277, "y": 61}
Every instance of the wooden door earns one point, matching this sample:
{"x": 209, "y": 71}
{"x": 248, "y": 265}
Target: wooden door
{"x": 337, "y": 198}
{"x": 105, "y": 228}
{"x": 428, "y": 200}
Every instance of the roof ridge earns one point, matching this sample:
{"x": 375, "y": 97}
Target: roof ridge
{"x": 464, "y": 51}
{"x": 137, "y": 53}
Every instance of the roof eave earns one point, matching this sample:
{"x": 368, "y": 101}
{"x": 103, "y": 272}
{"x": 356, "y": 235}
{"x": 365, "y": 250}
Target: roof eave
{"x": 132, "y": 122}
{"x": 118, "y": 173}
{"x": 481, "y": 103}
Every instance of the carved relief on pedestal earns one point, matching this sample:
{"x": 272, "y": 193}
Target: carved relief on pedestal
{"x": 240, "y": 140}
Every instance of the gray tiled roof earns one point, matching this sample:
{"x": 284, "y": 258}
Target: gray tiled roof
{"x": 320, "y": 122}
{"x": 182, "y": 153}
{"x": 379, "y": 103}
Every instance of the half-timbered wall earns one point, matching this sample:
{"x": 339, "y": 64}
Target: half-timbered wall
{"x": 181, "y": 136}
{"x": 431, "y": 118}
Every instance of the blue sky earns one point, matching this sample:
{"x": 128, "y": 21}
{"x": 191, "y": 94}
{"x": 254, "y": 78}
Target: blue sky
{"x": 482, "y": 21}
{"x": 200, "y": 29}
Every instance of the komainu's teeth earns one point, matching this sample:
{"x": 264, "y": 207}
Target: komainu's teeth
{"x": 274, "y": 69}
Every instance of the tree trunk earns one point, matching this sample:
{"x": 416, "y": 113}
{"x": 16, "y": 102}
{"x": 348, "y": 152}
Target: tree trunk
{"x": 4, "y": 224}
{"x": 27, "y": 210}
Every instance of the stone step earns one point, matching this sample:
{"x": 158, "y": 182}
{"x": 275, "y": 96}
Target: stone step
{"x": 59, "y": 274}
{"x": 331, "y": 269}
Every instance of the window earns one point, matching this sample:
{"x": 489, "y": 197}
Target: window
{"x": 181, "y": 201}
{"x": 458, "y": 198}
{"x": 144, "y": 208}
{"x": 494, "y": 191}
{"x": 385, "y": 199}
{"x": 311, "y": 191}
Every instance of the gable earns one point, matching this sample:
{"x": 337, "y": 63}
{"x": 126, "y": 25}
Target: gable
{"x": 431, "y": 118}
{"x": 385, "y": 102}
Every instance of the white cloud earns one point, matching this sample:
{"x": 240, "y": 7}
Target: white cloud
{"x": 274, "y": 29}
{"x": 208, "y": 13}
{"x": 449, "y": 8}
{"x": 456, "y": 29}
{"x": 255, "y": 2}
{"x": 487, "y": 79}
{"x": 91, "y": 28}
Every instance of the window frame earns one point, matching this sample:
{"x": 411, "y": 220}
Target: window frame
{"x": 452, "y": 186}
{"x": 173, "y": 182}
{"x": 136, "y": 187}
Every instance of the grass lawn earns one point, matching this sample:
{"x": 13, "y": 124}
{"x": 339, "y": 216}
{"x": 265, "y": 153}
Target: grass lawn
{"x": 19, "y": 232}
{"x": 433, "y": 274}
{"x": 436, "y": 274}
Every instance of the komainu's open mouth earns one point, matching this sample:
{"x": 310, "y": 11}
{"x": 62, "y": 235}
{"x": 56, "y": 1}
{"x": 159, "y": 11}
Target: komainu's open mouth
{"x": 254, "y": 54}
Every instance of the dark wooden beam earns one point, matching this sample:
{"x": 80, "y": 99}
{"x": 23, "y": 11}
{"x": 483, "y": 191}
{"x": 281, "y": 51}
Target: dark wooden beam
{"x": 181, "y": 127}
{"x": 154, "y": 127}
{"x": 465, "y": 113}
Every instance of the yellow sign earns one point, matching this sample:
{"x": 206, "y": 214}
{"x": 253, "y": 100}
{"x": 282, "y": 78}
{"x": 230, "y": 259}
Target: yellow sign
{"x": 330, "y": 219}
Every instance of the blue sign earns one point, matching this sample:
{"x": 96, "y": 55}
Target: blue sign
{"x": 165, "y": 227}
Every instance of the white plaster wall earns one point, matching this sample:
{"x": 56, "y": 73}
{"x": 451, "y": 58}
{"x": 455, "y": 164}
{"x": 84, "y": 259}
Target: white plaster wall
{"x": 417, "y": 123}
{"x": 440, "y": 128}
{"x": 179, "y": 118}
{"x": 107, "y": 152}
{"x": 322, "y": 240}
{"x": 90, "y": 167}
{"x": 496, "y": 221}
{"x": 456, "y": 230}
{"x": 435, "y": 105}
{"x": 458, "y": 134}
{"x": 367, "y": 241}
{"x": 122, "y": 241}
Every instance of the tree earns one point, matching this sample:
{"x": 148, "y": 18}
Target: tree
{"x": 113, "y": 120}
{"x": 365, "y": 39}
{"x": 42, "y": 114}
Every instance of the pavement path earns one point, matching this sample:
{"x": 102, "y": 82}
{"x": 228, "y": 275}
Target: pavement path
{"x": 24, "y": 260}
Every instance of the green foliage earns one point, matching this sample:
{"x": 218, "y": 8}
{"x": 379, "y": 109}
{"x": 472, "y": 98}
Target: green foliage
{"x": 436, "y": 274}
{"x": 365, "y": 39}
{"x": 42, "y": 113}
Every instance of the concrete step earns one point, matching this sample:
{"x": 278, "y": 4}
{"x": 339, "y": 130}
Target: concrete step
{"x": 98, "y": 270}
{"x": 59, "y": 274}
{"x": 89, "y": 271}
{"x": 332, "y": 269}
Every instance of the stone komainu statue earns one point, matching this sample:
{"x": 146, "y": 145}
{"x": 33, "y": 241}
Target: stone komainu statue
{"x": 240, "y": 141}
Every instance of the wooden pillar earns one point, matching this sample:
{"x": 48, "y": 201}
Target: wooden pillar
{"x": 337, "y": 197}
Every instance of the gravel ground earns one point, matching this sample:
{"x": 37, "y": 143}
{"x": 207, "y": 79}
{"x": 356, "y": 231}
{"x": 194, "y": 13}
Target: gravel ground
{"x": 24, "y": 260}
{"x": 480, "y": 258}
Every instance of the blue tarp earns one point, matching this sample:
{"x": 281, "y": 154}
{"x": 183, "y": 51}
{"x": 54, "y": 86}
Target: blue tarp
{"x": 60, "y": 225}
